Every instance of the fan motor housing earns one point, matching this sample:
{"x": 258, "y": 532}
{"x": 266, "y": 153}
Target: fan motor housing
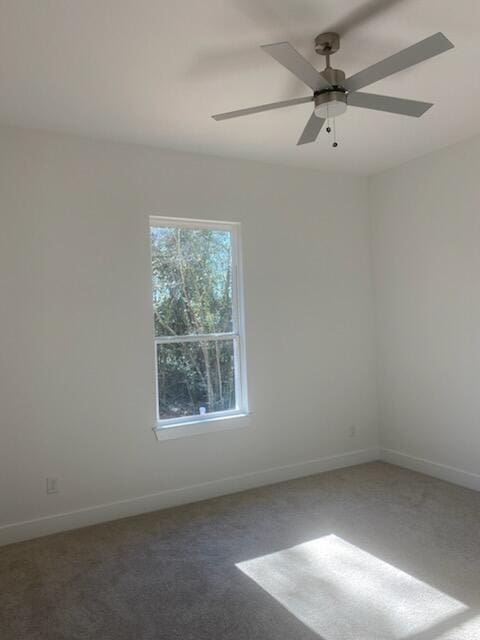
{"x": 335, "y": 77}
{"x": 330, "y": 104}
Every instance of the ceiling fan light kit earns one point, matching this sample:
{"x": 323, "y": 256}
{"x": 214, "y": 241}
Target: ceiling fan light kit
{"x": 333, "y": 93}
{"x": 330, "y": 104}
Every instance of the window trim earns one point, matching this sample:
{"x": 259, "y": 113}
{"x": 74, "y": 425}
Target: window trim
{"x": 168, "y": 428}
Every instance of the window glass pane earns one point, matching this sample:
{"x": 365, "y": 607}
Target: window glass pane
{"x": 192, "y": 280}
{"x": 195, "y": 378}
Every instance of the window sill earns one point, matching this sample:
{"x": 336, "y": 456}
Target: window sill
{"x": 195, "y": 428}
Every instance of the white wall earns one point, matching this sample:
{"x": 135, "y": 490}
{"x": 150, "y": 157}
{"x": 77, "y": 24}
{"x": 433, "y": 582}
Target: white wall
{"x": 76, "y": 363}
{"x": 426, "y": 247}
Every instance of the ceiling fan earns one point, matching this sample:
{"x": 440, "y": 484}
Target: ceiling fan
{"x": 333, "y": 92}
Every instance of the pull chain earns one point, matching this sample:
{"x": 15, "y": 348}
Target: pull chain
{"x": 329, "y": 129}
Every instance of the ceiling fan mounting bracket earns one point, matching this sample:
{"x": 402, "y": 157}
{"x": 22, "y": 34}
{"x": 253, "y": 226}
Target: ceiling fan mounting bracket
{"x": 327, "y": 43}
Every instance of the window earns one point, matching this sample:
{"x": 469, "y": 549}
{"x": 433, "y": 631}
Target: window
{"x": 198, "y": 319}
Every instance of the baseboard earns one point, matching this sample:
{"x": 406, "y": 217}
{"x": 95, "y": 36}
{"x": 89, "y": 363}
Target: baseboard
{"x": 430, "y": 468}
{"x": 46, "y": 525}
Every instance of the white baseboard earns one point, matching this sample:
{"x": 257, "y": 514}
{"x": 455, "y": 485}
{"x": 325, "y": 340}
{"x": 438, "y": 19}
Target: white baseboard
{"x": 46, "y": 525}
{"x": 430, "y": 468}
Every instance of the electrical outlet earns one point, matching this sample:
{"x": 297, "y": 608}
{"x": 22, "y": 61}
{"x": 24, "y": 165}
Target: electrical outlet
{"x": 52, "y": 485}
{"x": 352, "y": 431}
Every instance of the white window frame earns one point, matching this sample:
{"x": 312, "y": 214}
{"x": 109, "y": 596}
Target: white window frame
{"x": 168, "y": 428}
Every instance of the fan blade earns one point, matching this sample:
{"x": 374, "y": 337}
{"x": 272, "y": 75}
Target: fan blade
{"x": 410, "y": 56}
{"x": 312, "y": 129}
{"x": 386, "y": 103}
{"x": 262, "y": 107}
{"x": 286, "y": 55}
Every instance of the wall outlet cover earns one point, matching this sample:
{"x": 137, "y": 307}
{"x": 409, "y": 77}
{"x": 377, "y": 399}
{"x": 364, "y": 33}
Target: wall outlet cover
{"x": 52, "y": 485}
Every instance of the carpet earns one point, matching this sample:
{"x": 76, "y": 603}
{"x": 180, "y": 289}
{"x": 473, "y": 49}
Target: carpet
{"x": 371, "y": 552}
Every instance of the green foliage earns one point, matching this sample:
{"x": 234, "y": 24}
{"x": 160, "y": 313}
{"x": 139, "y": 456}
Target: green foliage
{"x": 192, "y": 295}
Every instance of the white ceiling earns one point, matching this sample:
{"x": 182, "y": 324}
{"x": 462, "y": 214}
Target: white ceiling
{"x": 153, "y": 71}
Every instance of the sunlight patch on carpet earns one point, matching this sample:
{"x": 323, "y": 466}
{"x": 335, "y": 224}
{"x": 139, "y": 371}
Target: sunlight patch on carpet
{"x": 344, "y": 593}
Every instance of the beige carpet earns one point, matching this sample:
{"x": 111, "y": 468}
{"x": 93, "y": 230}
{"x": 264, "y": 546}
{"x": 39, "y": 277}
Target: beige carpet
{"x": 373, "y": 552}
